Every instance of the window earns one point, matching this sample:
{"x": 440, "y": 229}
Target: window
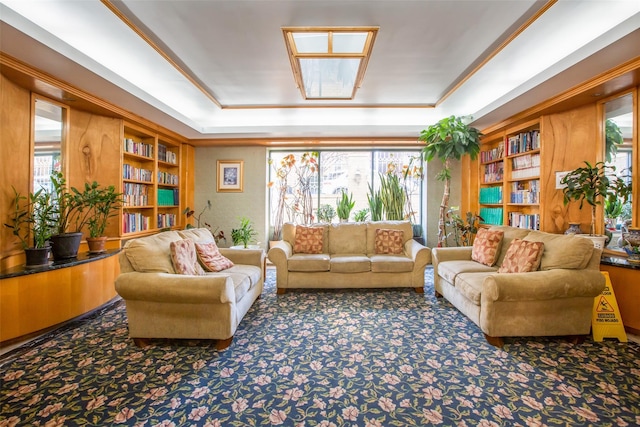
{"x": 302, "y": 181}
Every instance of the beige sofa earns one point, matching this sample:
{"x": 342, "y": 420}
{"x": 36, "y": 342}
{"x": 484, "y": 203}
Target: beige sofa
{"x": 349, "y": 259}
{"x": 163, "y": 304}
{"x": 555, "y": 300}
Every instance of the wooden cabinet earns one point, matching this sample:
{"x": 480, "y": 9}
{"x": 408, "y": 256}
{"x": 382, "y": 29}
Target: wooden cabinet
{"x": 150, "y": 182}
{"x": 509, "y": 177}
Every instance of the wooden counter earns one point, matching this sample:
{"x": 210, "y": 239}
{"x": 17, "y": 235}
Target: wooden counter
{"x": 36, "y": 299}
{"x": 625, "y": 280}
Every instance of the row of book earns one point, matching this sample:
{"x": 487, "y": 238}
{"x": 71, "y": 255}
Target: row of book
{"x": 491, "y": 216}
{"x": 135, "y": 194}
{"x": 139, "y": 148}
{"x": 167, "y": 220}
{"x": 528, "y": 221}
{"x": 167, "y": 178}
{"x": 526, "y": 161}
{"x": 493, "y": 172}
{"x": 168, "y": 197}
{"x": 491, "y": 195}
{"x": 526, "y": 173}
{"x": 167, "y": 156}
{"x": 525, "y": 193}
{"x": 132, "y": 222}
{"x": 493, "y": 154}
{"x": 137, "y": 174}
{"x": 523, "y": 142}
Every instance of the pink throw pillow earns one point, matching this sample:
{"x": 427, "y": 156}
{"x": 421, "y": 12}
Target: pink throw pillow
{"x": 522, "y": 256}
{"x": 211, "y": 258}
{"x": 184, "y": 258}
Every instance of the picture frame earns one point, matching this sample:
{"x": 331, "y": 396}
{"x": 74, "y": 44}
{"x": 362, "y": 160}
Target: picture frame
{"x": 230, "y": 176}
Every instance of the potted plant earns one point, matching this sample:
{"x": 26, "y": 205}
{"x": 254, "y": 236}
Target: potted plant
{"x": 449, "y": 139}
{"x": 593, "y": 184}
{"x": 392, "y": 197}
{"x": 375, "y": 204}
{"x": 245, "y": 234}
{"x": 344, "y": 205}
{"x": 326, "y": 213}
{"x": 361, "y": 215}
{"x": 33, "y": 217}
{"x": 103, "y": 204}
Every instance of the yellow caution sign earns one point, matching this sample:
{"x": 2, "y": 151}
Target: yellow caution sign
{"x": 606, "y": 321}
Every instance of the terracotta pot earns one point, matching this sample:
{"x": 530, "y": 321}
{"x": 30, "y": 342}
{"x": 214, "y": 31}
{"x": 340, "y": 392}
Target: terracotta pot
{"x": 97, "y": 244}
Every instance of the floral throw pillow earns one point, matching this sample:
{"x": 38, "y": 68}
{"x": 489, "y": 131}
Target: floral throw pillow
{"x": 211, "y": 258}
{"x": 389, "y": 241}
{"x": 308, "y": 240}
{"x": 184, "y": 258}
{"x": 522, "y": 256}
{"x": 486, "y": 246}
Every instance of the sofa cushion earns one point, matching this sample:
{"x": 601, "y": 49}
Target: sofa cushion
{"x": 448, "y": 270}
{"x": 391, "y": 264}
{"x": 486, "y": 246}
{"x": 348, "y": 238}
{"x": 152, "y": 254}
{"x": 198, "y": 235}
{"x": 253, "y": 272}
{"x": 308, "y": 240}
{"x": 389, "y": 241}
{"x": 309, "y": 262}
{"x": 350, "y": 263}
{"x": 510, "y": 233}
{"x": 211, "y": 258}
{"x": 562, "y": 251}
{"x": 372, "y": 226}
{"x": 522, "y": 256}
{"x": 184, "y": 258}
{"x": 470, "y": 285}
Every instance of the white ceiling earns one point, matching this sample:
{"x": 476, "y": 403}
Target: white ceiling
{"x": 220, "y": 67}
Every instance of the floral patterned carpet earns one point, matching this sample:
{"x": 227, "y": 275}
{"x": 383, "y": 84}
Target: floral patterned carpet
{"x": 321, "y": 358}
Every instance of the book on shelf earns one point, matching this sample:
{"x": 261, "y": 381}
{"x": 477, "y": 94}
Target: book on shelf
{"x": 167, "y": 220}
{"x": 139, "y": 148}
{"x": 168, "y": 197}
{"x": 523, "y": 142}
{"x": 527, "y": 221}
{"x": 136, "y": 174}
{"x": 493, "y": 172}
{"x": 493, "y": 154}
{"x": 167, "y": 156}
{"x": 491, "y": 195}
{"x": 167, "y": 178}
{"x": 525, "y": 192}
{"x": 491, "y": 216}
{"x": 133, "y": 222}
{"x": 135, "y": 194}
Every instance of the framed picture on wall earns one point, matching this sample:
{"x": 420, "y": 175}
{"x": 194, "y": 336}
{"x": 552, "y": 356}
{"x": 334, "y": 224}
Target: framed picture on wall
{"x": 230, "y": 176}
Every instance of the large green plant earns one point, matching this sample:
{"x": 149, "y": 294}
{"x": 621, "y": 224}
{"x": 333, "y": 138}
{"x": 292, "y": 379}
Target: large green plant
{"x": 103, "y": 203}
{"x": 392, "y": 197}
{"x": 375, "y": 204}
{"x": 593, "y": 184}
{"x": 449, "y": 139}
{"x": 32, "y": 217}
{"x": 72, "y": 211}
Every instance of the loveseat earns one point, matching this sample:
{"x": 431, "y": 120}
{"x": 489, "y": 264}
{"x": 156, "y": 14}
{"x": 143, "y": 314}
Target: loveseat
{"x": 377, "y": 254}
{"x": 163, "y": 304}
{"x": 554, "y": 299}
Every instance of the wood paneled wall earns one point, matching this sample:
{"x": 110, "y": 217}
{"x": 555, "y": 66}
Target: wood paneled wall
{"x": 15, "y": 152}
{"x": 568, "y": 139}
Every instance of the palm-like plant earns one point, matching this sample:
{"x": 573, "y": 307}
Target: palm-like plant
{"x": 449, "y": 139}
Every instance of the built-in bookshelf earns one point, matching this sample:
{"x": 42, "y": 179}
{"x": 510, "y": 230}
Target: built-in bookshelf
{"x": 522, "y": 208}
{"x": 150, "y": 182}
{"x": 509, "y": 181}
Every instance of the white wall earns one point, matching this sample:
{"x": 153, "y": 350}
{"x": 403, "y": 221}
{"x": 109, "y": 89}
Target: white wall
{"x": 229, "y": 207}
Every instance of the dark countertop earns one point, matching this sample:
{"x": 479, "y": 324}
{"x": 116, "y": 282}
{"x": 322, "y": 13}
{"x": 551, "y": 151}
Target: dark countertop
{"x": 619, "y": 262}
{"x": 82, "y": 258}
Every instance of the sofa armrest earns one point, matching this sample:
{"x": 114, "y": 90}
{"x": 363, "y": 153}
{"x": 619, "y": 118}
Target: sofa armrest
{"x": 451, "y": 254}
{"x": 244, "y": 256}
{"x": 175, "y": 288}
{"x": 542, "y": 285}
{"x": 280, "y": 251}
{"x": 420, "y": 254}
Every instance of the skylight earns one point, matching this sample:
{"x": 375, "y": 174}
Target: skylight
{"x": 329, "y": 62}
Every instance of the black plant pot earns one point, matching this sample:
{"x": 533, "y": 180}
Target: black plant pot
{"x": 65, "y": 246}
{"x": 36, "y": 257}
